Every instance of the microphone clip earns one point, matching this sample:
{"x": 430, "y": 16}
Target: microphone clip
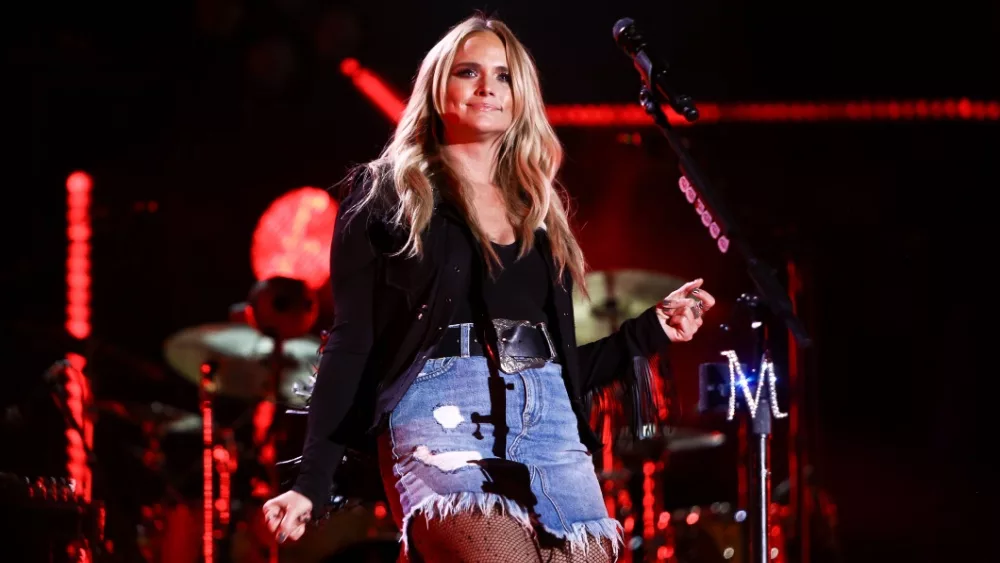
{"x": 653, "y": 72}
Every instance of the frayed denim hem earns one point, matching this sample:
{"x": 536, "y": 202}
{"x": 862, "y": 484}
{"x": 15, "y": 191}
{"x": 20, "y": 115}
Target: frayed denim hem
{"x": 437, "y": 507}
{"x": 604, "y": 528}
{"x": 442, "y": 506}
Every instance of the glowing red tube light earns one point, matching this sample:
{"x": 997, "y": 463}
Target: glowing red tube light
{"x": 374, "y": 88}
{"x": 78, "y": 188}
{"x": 78, "y": 399}
{"x": 611, "y": 115}
{"x": 208, "y": 493}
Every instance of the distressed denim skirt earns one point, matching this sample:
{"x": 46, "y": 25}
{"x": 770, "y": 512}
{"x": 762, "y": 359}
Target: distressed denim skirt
{"x": 446, "y": 451}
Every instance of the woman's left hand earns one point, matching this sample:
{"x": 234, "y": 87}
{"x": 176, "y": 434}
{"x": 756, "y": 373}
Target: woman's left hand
{"x": 680, "y": 313}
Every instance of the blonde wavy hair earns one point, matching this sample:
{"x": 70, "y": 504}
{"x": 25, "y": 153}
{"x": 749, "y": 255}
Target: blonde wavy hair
{"x": 528, "y": 158}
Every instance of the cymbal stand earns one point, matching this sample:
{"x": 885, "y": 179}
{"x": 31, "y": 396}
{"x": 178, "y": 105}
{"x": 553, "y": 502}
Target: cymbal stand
{"x": 152, "y": 514}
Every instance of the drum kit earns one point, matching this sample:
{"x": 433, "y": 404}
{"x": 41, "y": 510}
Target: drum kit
{"x": 249, "y": 372}
{"x": 214, "y": 467}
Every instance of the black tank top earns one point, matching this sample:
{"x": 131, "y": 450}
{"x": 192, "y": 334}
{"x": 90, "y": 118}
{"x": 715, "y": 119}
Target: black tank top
{"x": 520, "y": 291}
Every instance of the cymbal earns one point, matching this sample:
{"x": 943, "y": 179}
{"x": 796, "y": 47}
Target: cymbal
{"x": 670, "y": 439}
{"x": 242, "y": 356}
{"x": 187, "y": 424}
{"x": 616, "y": 296}
{"x": 685, "y": 439}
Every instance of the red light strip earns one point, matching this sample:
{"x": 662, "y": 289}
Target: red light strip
{"x": 632, "y": 115}
{"x": 223, "y": 463}
{"x": 648, "y": 500}
{"x": 374, "y": 88}
{"x": 208, "y": 527}
{"x": 77, "y": 399}
{"x": 78, "y": 188}
{"x": 610, "y": 115}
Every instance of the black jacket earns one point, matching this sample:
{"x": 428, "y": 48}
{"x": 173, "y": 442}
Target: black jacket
{"x": 389, "y": 312}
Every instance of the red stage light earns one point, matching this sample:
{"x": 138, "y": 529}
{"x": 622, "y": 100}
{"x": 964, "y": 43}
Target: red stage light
{"x": 374, "y": 88}
{"x": 78, "y": 182}
{"x": 292, "y": 238}
{"x": 78, "y": 231}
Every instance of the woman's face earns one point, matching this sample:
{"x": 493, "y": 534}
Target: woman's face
{"x": 478, "y": 97}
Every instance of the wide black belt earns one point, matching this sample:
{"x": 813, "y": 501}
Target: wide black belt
{"x": 520, "y": 344}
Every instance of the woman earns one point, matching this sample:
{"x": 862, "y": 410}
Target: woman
{"x": 453, "y": 343}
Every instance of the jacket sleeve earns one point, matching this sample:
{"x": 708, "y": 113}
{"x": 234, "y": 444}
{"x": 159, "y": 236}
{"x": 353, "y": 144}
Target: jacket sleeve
{"x": 353, "y": 266}
{"x": 611, "y": 358}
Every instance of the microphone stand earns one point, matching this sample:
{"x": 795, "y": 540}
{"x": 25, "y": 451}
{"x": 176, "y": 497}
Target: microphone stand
{"x": 769, "y": 291}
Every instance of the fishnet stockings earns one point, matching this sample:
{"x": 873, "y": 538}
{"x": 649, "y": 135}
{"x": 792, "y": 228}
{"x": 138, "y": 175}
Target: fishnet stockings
{"x": 472, "y": 537}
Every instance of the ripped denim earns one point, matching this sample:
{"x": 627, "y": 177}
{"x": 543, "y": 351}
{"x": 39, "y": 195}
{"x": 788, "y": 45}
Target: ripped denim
{"x": 444, "y": 452}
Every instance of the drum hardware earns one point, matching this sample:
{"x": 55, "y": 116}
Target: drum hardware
{"x": 243, "y": 360}
{"x": 239, "y": 364}
{"x": 151, "y": 417}
{"x": 48, "y": 520}
{"x": 261, "y": 356}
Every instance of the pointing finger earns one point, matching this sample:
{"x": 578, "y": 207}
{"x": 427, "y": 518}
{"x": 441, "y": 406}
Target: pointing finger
{"x": 690, "y": 286}
{"x": 706, "y": 298}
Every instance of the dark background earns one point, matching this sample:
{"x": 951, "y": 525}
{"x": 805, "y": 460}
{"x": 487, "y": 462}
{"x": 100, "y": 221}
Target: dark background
{"x": 213, "y": 108}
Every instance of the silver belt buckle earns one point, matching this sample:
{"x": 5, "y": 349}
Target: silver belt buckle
{"x": 514, "y": 364}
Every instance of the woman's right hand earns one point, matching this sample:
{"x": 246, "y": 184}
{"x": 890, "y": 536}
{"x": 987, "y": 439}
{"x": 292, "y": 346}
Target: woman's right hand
{"x": 287, "y": 515}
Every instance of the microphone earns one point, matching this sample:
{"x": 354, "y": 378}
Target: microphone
{"x": 652, "y": 69}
